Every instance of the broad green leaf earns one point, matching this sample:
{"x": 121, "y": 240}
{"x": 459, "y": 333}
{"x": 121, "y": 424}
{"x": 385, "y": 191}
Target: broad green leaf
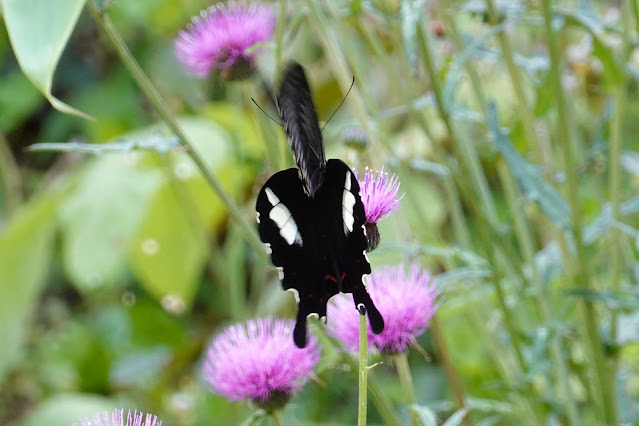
{"x": 67, "y": 409}
{"x": 25, "y": 250}
{"x": 39, "y": 31}
{"x": 18, "y": 99}
{"x": 171, "y": 246}
{"x": 528, "y": 176}
{"x": 102, "y": 217}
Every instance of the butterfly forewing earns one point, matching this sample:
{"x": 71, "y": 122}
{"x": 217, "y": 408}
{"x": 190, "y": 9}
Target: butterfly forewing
{"x": 297, "y": 111}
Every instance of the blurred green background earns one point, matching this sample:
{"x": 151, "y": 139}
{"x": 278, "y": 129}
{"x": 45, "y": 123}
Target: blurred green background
{"x": 117, "y": 269}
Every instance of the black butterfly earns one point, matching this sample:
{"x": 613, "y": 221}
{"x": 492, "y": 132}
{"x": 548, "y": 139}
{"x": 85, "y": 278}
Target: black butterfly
{"x": 312, "y": 219}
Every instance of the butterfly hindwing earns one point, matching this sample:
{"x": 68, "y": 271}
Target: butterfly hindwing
{"x": 297, "y": 111}
{"x": 289, "y": 225}
{"x": 343, "y": 196}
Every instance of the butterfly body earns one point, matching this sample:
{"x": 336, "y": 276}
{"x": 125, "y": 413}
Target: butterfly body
{"x": 312, "y": 218}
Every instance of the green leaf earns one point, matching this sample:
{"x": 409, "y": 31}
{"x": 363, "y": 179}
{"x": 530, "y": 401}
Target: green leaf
{"x": 170, "y": 250}
{"x": 171, "y": 246}
{"x": 612, "y": 300}
{"x": 527, "y": 175}
{"x": 457, "y": 418}
{"x": 39, "y": 31}
{"x": 410, "y": 14}
{"x": 102, "y": 217}
{"x": 426, "y": 415}
{"x": 66, "y": 409}
{"x": 25, "y": 250}
{"x": 613, "y": 72}
{"x": 18, "y": 99}
{"x": 156, "y": 143}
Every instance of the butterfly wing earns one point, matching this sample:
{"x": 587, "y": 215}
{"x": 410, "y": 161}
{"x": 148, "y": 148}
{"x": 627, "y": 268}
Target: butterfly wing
{"x": 297, "y": 111}
{"x": 342, "y": 194}
{"x": 290, "y": 224}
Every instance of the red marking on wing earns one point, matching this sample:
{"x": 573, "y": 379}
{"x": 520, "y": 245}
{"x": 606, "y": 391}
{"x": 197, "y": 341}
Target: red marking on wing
{"x": 331, "y": 278}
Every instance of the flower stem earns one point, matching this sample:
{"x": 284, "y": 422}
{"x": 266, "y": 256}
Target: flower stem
{"x": 405, "y": 378}
{"x": 604, "y": 404}
{"x": 276, "y": 418}
{"x": 149, "y": 90}
{"x": 380, "y": 399}
{"x": 363, "y": 367}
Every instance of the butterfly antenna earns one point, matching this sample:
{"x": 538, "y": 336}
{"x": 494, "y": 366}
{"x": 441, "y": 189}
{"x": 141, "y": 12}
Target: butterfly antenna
{"x": 265, "y": 113}
{"x": 340, "y": 105}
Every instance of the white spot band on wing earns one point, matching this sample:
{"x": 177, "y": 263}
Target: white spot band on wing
{"x": 272, "y": 198}
{"x": 348, "y": 202}
{"x": 282, "y": 217}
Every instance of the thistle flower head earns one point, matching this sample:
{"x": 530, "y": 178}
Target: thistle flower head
{"x": 379, "y": 194}
{"x": 221, "y": 37}
{"x": 407, "y": 301}
{"x": 259, "y": 361}
{"x": 118, "y": 419}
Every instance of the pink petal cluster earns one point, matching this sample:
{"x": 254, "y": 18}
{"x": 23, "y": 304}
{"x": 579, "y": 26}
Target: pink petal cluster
{"x": 407, "y": 302}
{"x": 221, "y": 35}
{"x": 379, "y": 194}
{"x": 117, "y": 419}
{"x": 258, "y": 359}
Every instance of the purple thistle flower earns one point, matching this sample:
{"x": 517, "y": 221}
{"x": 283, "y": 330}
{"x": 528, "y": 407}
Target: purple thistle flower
{"x": 117, "y": 419}
{"x": 379, "y": 194}
{"x": 222, "y": 36}
{"x": 259, "y": 361}
{"x": 407, "y": 301}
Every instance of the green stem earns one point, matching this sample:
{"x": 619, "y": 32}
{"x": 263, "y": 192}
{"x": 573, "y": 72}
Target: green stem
{"x": 379, "y": 397}
{"x": 460, "y": 226}
{"x": 475, "y": 81}
{"x": 454, "y": 382}
{"x": 276, "y": 418}
{"x": 145, "y": 85}
{"x": 405, "y": 378}
{"x": 635, "y": 12}
{"x": 605, "y": 404}
{"x": 614, "y": 188}
{"x": 9, "y": 178}
{"x": 340, "y": 66}
{"x": 471, "y": 169}
{"x": 543, "y": 152}
{"x": 541, "y": 296}
{"x": 363, "y": 368}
